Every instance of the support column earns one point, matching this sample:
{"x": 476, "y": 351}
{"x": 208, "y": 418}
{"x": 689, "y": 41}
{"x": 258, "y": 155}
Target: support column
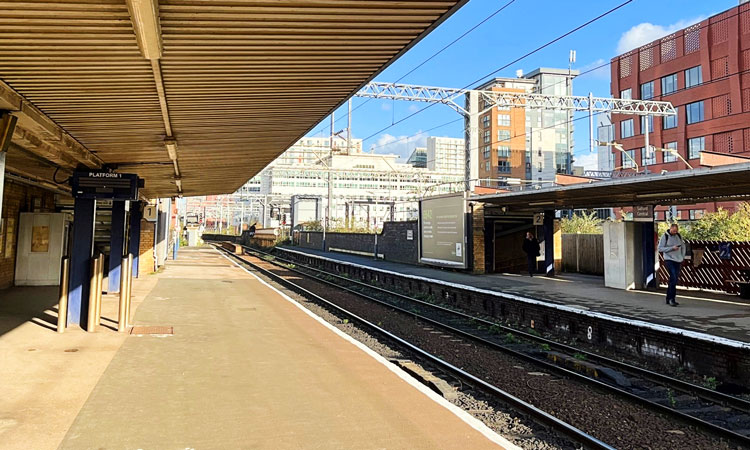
{"x": 649, "y": 254}
{"x": 549, "y": 242}
{"x": 134, "y": 237}
{"x": 2, "y": 179}
{"x": 471, "y": 143}
{"x": 80, "y": 261}
{"x": 116, "y": 246}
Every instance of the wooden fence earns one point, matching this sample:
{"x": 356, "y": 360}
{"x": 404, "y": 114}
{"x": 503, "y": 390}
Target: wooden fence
{"x": 583, "y": 253}
{"x": 708, "y": 269}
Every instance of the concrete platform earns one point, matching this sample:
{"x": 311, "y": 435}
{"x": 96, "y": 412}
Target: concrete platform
{"x": 726, "y": 316}
{"x": 247, "y": 368}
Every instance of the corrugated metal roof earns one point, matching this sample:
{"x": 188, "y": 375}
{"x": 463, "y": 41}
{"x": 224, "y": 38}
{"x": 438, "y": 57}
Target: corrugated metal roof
{"x": 243, "y": 79}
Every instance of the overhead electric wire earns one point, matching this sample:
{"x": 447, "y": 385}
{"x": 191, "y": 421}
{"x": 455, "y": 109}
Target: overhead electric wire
{"x": 444, "y": 48}
{"x": 526, "y": 55}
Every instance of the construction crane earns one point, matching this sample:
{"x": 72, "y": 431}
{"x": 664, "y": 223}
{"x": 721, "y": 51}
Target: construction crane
{"x": 473, "y": 98}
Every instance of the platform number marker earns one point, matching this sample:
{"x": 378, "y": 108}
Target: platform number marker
{"x": 590, "y": 333}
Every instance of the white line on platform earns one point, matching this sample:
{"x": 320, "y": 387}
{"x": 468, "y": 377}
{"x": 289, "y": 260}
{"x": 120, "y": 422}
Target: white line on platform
{"x": 603, "y": 316}
{"x": 460, "y": 413}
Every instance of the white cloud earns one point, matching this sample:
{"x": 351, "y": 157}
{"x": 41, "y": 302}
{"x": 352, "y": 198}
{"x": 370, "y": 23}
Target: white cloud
{"x": 646, "y": 32}
{"x": 385, "y": 106}
{"x": 413, "y": 108}
{"x": 588, "y": 160}
{"x": 399, "y": 145}
{"x": 599, "y": 69}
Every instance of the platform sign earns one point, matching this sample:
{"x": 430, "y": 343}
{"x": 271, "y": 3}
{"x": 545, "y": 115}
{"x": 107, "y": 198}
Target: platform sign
{"x": 643, "y": 213}
{"x": 99, "y": 184}
{"x": 442, "y": 231}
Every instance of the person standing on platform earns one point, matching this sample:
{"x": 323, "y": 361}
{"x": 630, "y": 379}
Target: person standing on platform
{"x": 672, "y": 247}
{"x": 531, "y": 247}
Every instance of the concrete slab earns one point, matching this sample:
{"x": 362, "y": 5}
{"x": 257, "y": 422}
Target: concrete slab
{"x": 716, "y": 314}
{"x": 46, "y": 377}
{"x": 246, "y": 368}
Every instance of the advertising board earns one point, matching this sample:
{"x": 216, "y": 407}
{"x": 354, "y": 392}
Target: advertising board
{"x": 442, "y": 231}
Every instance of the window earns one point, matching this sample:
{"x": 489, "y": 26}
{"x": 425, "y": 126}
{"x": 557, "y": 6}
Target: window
{"x": 694, "y": 112}
{"x": 650, "y": 124}
{"x": 487, "y": 166}
{"x": 628, "y": 159}
{"x": 486, "y": 121}
{"x": 503, "y": 166}
{"x": 503, "y": 120}
{"x": 670, "y": 156}
{"x": 647, "y": 90}
{"x": 693, "y": 77}
{"x": 486, "y": 152}
{"x": 503, "y": 135}
{"x": 669, "y": 122}
{"x": 503, "y": 151}
{"x": 503, "y": 108}
{"x": 696, "y": 146}
{"x": 487, "y": 136}
{"x": 648, "y": 156}
{"x": 668, "y": 84}
{"x": 540, "y": 167}
{"x": 696, "y": 214}
{"x": 627, "y": 94}
{"x": 626, "y": 128}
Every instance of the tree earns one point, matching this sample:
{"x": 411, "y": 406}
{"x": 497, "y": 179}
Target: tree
{"x": 585, "y": 223}
{"x": 718, "y": 226}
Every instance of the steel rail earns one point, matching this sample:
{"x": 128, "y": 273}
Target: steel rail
{"x": 569, "y": 430}
{"x": 550, "y": 366}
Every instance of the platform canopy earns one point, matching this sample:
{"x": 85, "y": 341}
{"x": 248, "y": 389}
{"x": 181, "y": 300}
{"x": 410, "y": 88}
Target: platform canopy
{"x": 195, "y": 96}
{"x": 724, "y": 183}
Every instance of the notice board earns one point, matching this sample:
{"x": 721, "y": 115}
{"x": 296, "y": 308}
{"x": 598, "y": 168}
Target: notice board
{"x": 442, "y": 231}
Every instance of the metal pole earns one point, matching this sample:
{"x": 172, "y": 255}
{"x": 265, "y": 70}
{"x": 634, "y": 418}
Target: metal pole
{"x": 128, "y": 287}
{"x": 93, "y": 282}
{"x": 99, "y": 282}
{"x": 62, "y": 305}
{"x": 645, "y": 135}
{"x": 376, "y": 228}
{"x": 349, "y": 130}
{"x": 121, "y": 322}
{"x": 591, "y": 122}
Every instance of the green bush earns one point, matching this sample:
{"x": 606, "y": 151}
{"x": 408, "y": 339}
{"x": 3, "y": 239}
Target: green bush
{"x": 586, "y": 223}
{"x": 718, "y": 226}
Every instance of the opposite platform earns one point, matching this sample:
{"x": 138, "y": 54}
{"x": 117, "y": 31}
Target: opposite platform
{"x": 724, "y": 316}
{"x": 247, "y": 368}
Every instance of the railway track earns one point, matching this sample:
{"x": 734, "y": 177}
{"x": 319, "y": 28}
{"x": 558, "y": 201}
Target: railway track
{"x": 720, "y": 414}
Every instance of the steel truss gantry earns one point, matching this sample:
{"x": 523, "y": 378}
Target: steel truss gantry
{"x": 478, "y": 102}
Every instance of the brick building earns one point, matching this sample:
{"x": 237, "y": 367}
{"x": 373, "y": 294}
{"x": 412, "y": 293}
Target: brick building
{"x": 704, "y": 71}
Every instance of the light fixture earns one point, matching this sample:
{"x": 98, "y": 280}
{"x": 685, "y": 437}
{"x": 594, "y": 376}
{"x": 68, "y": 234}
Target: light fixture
{"x": 659, "y": 194}
{"x": 144, "y": 14}
{"x": 171, "y": 146}
{"x": 541, "y": 203}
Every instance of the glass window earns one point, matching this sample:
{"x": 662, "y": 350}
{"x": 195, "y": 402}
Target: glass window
{"x": 503, "y": 151}
{"x": 487, "y": 166}
{"x": 503, "y": 166}
{"x": 628, "y": 159}
{"x": 694, "y": 112}
{"x": 486, "y": 152}
{"x": 670, "y": 122}
{"x": 648, "y": 156}
{"x": 486, "y": 121}
{"x": 627, "y": 94}
{"x": 503, "y": 135}
{"x": 647, "y": 90}
{"x": 626, "y": 128}
{"x": 487, "y": 136}
{"x": 693, "y": 77}
{"x": 670, "y": 156}
{"x": 696, "y": 146}
{"x": 503, "y": 120}
{"x": 668, "y": 84}
{"x": 650, "y": 124}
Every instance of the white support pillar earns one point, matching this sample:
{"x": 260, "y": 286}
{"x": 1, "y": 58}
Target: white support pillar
{"x": 592, "y": 143}
{"x": 645, "y": 135}
{"x": 471, "y": 144}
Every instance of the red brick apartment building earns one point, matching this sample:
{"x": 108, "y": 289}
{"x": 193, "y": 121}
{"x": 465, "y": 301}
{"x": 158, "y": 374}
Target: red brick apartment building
{"x": 704, "y": 71}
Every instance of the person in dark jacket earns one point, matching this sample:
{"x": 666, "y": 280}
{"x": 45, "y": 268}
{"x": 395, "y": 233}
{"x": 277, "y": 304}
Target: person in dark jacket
{"x": 531, "y": 247}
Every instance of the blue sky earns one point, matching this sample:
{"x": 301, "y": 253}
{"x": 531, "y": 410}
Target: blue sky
{"x": 521, "y": 27}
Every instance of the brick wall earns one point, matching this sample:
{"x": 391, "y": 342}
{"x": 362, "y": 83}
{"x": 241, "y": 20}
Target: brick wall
{"x": 477, "y": 237}
{"x": 146, "y": 249}
{"x": 18, "y": 198}
{"x": 393, "y": 242}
